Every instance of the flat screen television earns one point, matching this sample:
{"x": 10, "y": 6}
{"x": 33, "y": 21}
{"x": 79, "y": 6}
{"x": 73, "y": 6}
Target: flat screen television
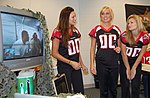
{"x": 21, "y": 39}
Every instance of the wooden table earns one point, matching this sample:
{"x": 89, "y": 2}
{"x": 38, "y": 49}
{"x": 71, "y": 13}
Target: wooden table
{"x": 146, "y": 67}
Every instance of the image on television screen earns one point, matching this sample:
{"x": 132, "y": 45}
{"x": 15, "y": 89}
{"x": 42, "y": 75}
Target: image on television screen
{"x": 22, "y": 36}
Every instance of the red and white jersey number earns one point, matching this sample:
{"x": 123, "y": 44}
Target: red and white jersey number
{"x": 132, "y": 52}
{"x": 108, "y": 41}
{"x": 73, "y": 46}
{"x": 146, "y": 60}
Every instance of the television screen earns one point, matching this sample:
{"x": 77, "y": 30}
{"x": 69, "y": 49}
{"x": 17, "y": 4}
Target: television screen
{"x": 21, "y": 39}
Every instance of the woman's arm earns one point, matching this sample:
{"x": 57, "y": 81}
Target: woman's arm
{"x": 84, "y": 68}
{"x": 138, "y": 60}
{"x": 55, "y": 54}
{"x": 92, "y": 55}
{"x": 118, "y": 49}
{"x": 125, "y": 60}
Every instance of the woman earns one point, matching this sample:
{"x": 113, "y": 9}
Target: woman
{"x": 106, "y": 37}
{"x": 65, "y": 48}
{"x": 145, "y": 75}
{"x": 134, "y": 42}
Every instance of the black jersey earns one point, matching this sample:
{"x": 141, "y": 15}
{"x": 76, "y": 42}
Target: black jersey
{"x": 72, "y": 51}
{"x": 106, "y": 42}
{"x": 133, "y": 51}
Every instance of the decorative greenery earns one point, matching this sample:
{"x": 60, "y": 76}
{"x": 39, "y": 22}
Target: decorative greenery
{"x": 44, "y": 76}
{"x": 44, "y": 84}
{"x": 7, "y": 82}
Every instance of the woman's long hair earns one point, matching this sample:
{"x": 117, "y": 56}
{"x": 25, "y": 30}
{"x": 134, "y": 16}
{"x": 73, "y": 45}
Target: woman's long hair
{"x": 129, "y": 36}
{"x": 63, "y": 24}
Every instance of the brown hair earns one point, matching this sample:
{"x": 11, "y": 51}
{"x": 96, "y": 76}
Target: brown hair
{"x": 63, "y": 24}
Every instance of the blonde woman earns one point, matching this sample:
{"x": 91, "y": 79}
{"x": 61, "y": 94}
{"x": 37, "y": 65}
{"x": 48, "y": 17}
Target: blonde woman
{"x": 106, "y": 37}
{"x": 134, "y": 42}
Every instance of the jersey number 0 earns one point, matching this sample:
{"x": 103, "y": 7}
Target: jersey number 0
{"x": 73, "y": 46}
{"x": 108, "y": 41}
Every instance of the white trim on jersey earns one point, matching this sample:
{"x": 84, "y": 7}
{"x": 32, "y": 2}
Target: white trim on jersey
{"x": 98, "y": 28}
{"x": 115, "y": 28}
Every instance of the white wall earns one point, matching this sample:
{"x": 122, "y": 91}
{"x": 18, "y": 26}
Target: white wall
{"x": 88, "y": 17}
{"x": 49, "y": 8}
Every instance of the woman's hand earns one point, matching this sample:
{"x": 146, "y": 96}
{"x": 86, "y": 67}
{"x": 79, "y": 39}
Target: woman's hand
{"x": 75, "y": 65}
{"x": 117, "y": 49}
{"x": 128, "y": 72}
{"x": 93, "y": 70}
{"x": 85, "y": 69}
{"x": 133, "y": 73}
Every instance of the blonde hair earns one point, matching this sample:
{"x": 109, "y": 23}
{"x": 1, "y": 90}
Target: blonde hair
{"x": 129, "y": 37}
{"x": 107, "y": 8}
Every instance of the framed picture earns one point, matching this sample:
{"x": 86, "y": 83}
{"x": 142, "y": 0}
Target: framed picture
{"x": 60, "y": 84}
{"x": 142, "y": 10}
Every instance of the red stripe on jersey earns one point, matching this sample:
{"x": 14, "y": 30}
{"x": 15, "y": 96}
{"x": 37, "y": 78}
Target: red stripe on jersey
{"x": 107, "y": 30}
{"x": 94, "y": 30}
{"x": 77, "y": 31}
{"x": 123, "y": 37}
{"x": 98, "y": 27}
{"x": 56, "y": 34}
{"x": 117, "y": 29}
{"x": 143, "y": 37}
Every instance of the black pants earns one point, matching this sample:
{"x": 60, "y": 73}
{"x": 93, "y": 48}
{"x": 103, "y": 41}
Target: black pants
{"x": 145, "y": 83}
{"x": 74, "y": 78}
{"x": 130, "y": 90}
{"x": 108, "y": 79}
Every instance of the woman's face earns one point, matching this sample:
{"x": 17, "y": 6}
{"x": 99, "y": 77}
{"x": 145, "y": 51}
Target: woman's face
{"x": 72, "y": 18}
{"x": 132, "y": 24}
{"x": 106, "y": 16}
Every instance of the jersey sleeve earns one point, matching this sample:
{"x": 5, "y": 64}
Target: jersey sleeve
{"x": 122, "y": 37}
{"x": 146, "y": 57}
{"x": 56, "y": 34}
{"x": 93, "y": 32}
{"x": 146, "y": 39}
